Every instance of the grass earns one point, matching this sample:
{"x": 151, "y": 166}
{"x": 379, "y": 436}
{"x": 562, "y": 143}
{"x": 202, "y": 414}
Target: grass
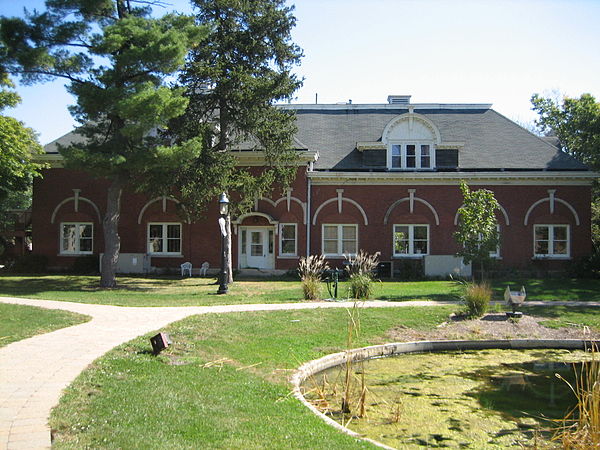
{"x": 173, "y": 291}
{"x": 551, "y": 289}
{"x": 566, "y": 316}
{"x": 20, "y": 321}
{"x": 223, "y": 383}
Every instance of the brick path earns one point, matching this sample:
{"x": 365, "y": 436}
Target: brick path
{"x": 34, "y": 371}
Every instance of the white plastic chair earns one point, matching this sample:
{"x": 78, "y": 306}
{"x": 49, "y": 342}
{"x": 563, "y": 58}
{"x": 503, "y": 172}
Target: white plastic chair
{"x": 204, "y": 269}
{"x": 186, "y": 267}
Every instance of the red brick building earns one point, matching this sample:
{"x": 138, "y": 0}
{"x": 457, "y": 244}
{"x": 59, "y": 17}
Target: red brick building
{"x": 381, "y": 177}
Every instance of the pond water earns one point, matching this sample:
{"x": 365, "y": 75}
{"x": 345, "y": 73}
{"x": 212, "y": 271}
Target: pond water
{"x": 471, "y": 399}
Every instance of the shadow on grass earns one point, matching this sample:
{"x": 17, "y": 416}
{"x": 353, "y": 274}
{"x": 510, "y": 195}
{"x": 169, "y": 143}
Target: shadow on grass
{"x": 24, "y": 285}
{"x": 409, "y": 297}
{"x": 559, "y": 312}
{"x": 564, "y": 289}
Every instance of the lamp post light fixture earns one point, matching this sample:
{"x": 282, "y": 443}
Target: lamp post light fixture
{"x": 223, "y": 212}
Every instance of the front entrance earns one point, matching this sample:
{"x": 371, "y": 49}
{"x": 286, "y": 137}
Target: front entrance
{"x": 256, "y": 248}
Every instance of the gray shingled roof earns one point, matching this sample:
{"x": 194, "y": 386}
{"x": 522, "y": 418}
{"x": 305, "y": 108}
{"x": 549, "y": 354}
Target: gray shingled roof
{"x": 491, "y": 141}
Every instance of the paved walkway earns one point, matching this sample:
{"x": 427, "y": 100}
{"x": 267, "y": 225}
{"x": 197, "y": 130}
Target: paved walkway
{"x": 34, "y": 371}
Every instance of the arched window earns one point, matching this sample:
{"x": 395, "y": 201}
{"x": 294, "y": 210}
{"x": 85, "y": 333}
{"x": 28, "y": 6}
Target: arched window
{"x": 411, "y": 140}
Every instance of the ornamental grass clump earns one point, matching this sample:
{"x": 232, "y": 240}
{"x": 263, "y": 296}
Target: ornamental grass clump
{"x": 360, "y": 269}
{"x": 580, "y": 428}
{"x": 311, "y": 269}
{"x": 477, "y": 298}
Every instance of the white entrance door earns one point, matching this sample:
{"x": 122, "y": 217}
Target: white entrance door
{"x": 257, "y": 248}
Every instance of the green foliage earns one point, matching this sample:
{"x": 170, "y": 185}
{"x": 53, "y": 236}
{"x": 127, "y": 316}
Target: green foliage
{"x": 30, "y": 263}
{"x": 232, "y": 82}
{"x": 85, "y": 265}
{"x": 576, "y": 124}
{"x": 477, "y": 233}
{"x": 116, "y": 57}
{"x": 477, "y": 298}
{"x": 19, "y": 144}
{"x": 361, "y": 286}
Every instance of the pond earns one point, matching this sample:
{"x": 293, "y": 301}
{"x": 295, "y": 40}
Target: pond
{"x": 469, "y": 399}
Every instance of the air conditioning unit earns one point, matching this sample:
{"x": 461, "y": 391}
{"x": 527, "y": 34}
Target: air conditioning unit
{"x": 131, "y": 263}
{"x": 444, "y": 265}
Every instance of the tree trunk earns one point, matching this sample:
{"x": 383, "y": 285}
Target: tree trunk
{"x": 110, "y": 228}
{"x": 228, "y": 259}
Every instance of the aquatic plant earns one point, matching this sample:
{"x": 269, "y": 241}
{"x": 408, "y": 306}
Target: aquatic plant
{"x": 580, "y": 428}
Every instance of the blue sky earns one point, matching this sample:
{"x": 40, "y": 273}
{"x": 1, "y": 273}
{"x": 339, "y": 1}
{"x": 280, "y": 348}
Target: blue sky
{"x": 438, "y": 51}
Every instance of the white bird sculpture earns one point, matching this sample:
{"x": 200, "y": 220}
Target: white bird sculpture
{"x": 514, "y": 299}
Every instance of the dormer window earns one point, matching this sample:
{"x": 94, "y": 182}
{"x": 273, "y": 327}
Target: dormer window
{"x": 411, "y": 141}
{"x": 412, "y": 155}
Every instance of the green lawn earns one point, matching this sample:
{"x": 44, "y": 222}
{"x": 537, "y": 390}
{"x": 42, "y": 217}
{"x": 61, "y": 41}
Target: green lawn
{"x": 173, "y": 291}
{"x": 567, "y": 316}
{"x": 21, "y": 321}
{"x": 131, "y": 399}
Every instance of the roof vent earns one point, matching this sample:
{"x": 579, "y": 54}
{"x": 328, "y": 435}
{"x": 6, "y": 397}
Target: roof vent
{"x": 398, "y": 99}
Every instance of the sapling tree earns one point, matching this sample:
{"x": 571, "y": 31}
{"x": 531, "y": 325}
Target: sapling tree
{"x": 477, "y": 234}
{"x": 116, "y": 58}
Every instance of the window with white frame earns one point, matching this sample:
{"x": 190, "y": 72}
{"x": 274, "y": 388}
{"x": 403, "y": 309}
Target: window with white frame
{"x": 288, "y": 239}
{"x": 551, "y": 241}
{"x": 76, "y": 238}
{"x": 412, "y": 155}
{"x": 339, "y": 240}
{"x": 496, "y": 253}
{"x": 411, "y": 240}
{"x": 164, "y": 238}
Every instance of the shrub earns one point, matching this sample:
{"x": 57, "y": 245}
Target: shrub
{"x": 85, "y": 265}
{"x": 361, "y": 269}
{"x": 30, "y": 263}
{"x": 310, "y": 270}
{"x": 477, "y": 298}
{"x": 361, "y": 286}
{"x": 587, "y": 267}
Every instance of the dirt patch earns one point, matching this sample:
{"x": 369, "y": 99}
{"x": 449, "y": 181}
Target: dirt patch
{"x": 492, "y": 326}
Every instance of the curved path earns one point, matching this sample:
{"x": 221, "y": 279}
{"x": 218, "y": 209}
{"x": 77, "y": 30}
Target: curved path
{"x": 34, "y": 371}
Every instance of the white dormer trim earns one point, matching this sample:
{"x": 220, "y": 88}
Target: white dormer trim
{"x": 412, "y": 130}
{"x": 411, "y": 117}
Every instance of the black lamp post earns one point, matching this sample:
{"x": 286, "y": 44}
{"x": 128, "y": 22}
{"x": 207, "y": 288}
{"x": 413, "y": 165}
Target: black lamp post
{"x": 223, "y": 212}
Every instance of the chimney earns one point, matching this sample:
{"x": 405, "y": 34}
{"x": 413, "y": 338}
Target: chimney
{"x": 398, "y": 99}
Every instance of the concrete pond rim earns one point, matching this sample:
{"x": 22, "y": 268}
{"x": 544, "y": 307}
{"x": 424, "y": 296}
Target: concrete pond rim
{"x": 316, "y": 366}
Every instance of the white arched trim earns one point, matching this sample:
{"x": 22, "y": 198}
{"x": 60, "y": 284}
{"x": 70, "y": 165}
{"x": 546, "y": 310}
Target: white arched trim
{"x": 411, "y": 116}
{"x": 502, "y": 210}
{"x": 241, "y": 218}
{"x": 344, "y": 199}
{"x": 408, "y": 199}
{"x": 154, "y": 200}
{"x": 548, "y": 199}
{"x": 81, "y": 199}
{"x": 293, "y": 199}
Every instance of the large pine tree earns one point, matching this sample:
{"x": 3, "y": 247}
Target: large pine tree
{"x": 116, "y": 57}
{"x": 233, "y": 82}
